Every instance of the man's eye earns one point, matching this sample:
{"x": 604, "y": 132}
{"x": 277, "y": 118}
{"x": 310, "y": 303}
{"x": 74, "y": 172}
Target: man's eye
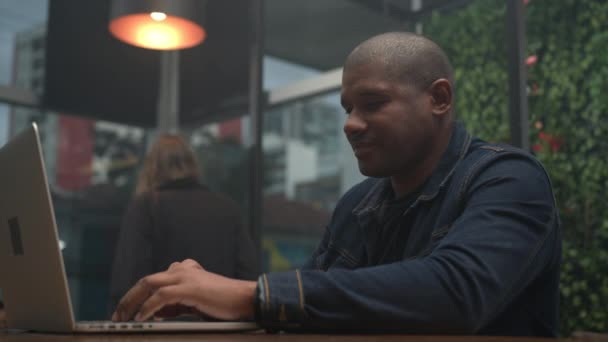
{"x": 370, "y": 106}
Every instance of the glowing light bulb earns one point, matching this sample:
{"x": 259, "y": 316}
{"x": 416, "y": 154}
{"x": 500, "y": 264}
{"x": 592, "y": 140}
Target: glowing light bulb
{"x": 158, "y": 36}
{"x": 157, "y": 31}
{"x": 158, "y": 16}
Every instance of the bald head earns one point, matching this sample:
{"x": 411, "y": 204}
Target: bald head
{"x": 407, "y": 57}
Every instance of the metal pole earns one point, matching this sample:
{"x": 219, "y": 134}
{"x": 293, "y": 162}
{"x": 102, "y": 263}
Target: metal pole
{"x": 168, "y": 92}
{"x": 256, "y": 54}
{"x": 518, "y": 97}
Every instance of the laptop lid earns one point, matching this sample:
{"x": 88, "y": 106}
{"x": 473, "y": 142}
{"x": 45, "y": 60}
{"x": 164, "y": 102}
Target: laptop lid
{"x": 33, "y": 278}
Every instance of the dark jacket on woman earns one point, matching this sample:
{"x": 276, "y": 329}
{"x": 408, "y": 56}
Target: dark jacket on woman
{"x": 181, "y": 220}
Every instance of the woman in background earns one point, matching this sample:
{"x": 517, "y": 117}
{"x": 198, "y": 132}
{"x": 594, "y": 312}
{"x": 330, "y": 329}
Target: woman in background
{"x": 174, "y": 217}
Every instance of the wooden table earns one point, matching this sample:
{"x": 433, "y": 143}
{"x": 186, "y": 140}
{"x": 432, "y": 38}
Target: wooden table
{"x": 255, "y": 337}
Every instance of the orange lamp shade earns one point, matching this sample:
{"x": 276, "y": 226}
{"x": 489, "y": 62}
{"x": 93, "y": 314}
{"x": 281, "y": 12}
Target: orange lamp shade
{"x": 157, "y": 31}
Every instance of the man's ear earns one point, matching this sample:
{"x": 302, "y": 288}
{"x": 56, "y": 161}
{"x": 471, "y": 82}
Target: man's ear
{"x": 441, "y": 96}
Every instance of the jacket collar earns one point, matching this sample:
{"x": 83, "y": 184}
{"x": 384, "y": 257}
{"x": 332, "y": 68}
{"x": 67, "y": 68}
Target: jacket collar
{"x": 456, "y": 150}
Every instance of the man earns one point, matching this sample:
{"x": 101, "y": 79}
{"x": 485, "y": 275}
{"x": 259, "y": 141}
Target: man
{"x": 451, "y": 235}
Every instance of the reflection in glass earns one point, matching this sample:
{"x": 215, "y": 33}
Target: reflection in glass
{"x": 279, "y": 72}
{"x": 307, "y": 166}
{"x": 4, "y": 110}
{"x": 221, "y": 149}
{"x": 22, "y": 38}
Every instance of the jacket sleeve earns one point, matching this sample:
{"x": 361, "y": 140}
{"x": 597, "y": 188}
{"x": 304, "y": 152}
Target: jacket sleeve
{"x": 504, "y": 238}
{"x": 134, "y": 251}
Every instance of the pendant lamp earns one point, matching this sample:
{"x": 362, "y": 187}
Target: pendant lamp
{"x": 158, "y": 24}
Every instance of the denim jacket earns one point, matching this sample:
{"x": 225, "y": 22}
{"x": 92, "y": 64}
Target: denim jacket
{"x": 482, "y": 256}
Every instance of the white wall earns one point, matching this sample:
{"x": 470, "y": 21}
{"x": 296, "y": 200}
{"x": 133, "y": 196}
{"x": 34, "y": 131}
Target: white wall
{"x": 301, "y": 166}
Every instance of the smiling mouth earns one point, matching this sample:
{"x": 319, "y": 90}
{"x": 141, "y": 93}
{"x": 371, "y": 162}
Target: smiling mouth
{"x": 362, "y": 149}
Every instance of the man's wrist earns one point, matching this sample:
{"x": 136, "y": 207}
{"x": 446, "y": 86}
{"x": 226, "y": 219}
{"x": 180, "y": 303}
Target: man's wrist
{"x": 248, "y": 293}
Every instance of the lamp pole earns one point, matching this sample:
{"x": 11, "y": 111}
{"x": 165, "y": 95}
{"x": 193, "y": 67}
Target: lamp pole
{"x": 167, "y": 116}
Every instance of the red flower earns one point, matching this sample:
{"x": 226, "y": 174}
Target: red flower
{"x": 553, "y": 141}
{"x": 531, "y": 60}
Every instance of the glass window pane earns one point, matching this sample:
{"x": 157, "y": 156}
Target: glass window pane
{"x": 222, "y": 150}
{"x": 278, "y": 72}
{"x": 4, "y": 122}
{"x": 22, "y": 38}
{"x": 308, "y": 165}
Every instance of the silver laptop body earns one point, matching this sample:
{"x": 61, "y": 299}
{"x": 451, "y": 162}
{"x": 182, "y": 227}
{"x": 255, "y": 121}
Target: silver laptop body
{"x": 32, "y": 273}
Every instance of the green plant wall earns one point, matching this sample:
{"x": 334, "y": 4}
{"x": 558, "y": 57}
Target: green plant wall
{"x": 567, "y": 44}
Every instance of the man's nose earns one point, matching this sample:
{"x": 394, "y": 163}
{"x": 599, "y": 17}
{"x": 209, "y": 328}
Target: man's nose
{"x": 354, "y": 124}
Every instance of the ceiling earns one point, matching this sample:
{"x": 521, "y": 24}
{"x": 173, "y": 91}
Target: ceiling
{"x": 321, "y": 33}
{"x": 90, "y": 73}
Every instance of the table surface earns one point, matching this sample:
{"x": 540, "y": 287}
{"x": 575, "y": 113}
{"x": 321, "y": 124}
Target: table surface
{"x": 257, "y": 336}
{"x": 262, "y": 336}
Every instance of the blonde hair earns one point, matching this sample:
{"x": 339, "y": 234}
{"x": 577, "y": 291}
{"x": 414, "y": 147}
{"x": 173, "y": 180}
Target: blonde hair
{"x": 169, "y": 159}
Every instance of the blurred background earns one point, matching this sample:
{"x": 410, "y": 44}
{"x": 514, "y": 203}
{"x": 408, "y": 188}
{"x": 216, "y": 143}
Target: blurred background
{"x": 259, "y": 101}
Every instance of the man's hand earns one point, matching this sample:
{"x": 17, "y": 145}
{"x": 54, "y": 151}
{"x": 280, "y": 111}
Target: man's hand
{"x": 188, "y": 284}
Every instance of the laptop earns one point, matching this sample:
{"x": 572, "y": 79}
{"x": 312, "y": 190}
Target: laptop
{"x": 32, "y": 273}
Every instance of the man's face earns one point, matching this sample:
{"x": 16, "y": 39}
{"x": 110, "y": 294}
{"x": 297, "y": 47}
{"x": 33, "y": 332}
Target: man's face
{"x": 390, "y": 124}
